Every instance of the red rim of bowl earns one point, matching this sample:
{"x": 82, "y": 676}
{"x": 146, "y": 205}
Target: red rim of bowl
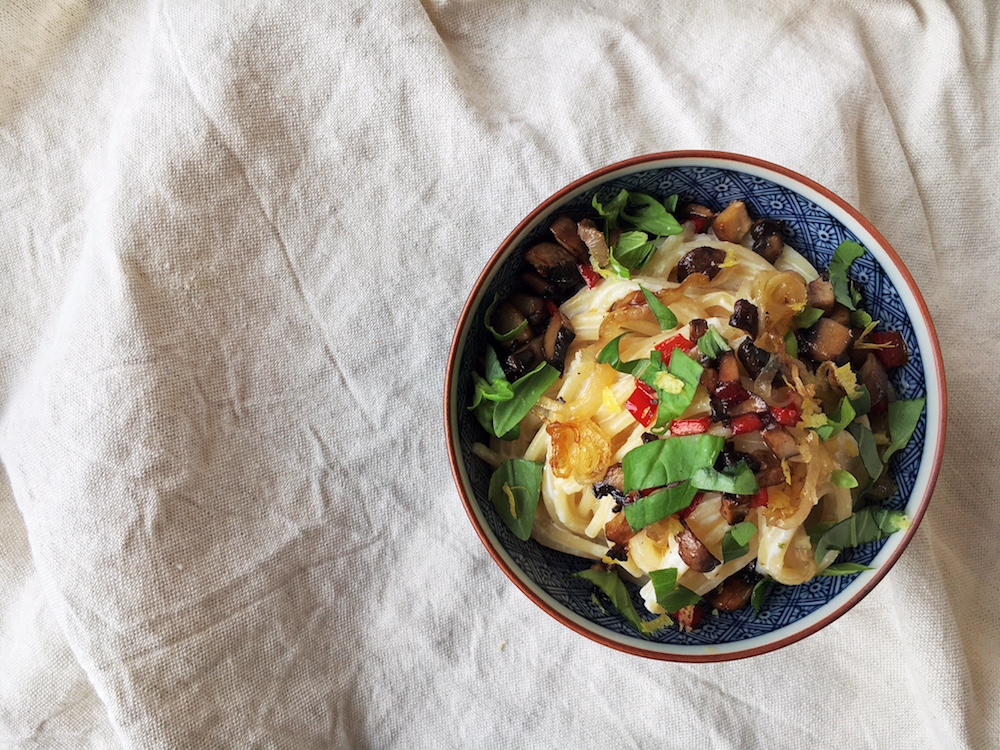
{"x": 934, "y": 356}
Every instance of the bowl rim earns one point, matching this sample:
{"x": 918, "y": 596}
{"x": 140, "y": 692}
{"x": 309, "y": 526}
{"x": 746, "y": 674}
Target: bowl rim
{"x": 933, "y": 357}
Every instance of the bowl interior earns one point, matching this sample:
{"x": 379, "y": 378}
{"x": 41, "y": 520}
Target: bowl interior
{"x": 815, "y": 226}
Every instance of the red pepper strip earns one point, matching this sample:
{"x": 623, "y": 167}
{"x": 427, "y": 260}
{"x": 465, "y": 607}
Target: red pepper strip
{"x": 700, "y": 223}
{"x": 745, "y": 423}
{"x": 590, "y": 276}
{"x": 690, "y": 426}
{"x": 760, "y": 499}
{"x": 682, "y": 514}
{"x": 551, "y": 307}
{"x": 689, "y": 617}
{"x": 731, "y": 394}
{"x": 787, "y": 415}
{"x": 666, "y": 348}
{"x": 894, "y": 354}
{"x": 642, "y": 404}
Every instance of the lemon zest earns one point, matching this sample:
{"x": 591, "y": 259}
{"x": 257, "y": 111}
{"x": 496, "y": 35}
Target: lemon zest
{"x": 611, "y": 401}
{"x": 786, "y": 469}
{"x": 847, "y": 379}
{"x": 510, "y": 496}
{"x": 669, "y": 383}
{"x": 730, "y": 260}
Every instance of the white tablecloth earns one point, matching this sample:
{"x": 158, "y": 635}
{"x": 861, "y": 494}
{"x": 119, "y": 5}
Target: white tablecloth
{"x": 234, "y": 243}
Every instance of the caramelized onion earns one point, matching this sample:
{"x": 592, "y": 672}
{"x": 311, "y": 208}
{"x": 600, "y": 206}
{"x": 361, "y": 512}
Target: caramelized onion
{"x": 580, "y": 450}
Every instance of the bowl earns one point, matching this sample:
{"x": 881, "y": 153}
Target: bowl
{"x": 816, "y": 221}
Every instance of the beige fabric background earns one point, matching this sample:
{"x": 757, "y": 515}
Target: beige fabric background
{"x": 234, "y": 242}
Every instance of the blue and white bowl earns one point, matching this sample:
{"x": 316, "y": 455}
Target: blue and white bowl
{"x": 816, "y": 221}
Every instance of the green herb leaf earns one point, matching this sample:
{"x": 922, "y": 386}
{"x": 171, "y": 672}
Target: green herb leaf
{"x": 759, "y": 594}
{"x": 633, "y": 250}
{"x": 527, "y": 390}
{"x": 860, "y": 319}
{"x": 844, "y": 569}
{"x": 613, "y": 587}
{"x": 610, "y": 353}
{"x": 659, "y": 505}
{"x": 670, "y": 203}
{"x": 649, "y": 215}
{"x": 498, "y": 391}
{"x": 737, "y": 479}
{"x": 674, "y": 459}
{"x": 866, "y": 525}
{"x": 612, "y": 210}
{"x": 846, "y": 253}
{"x": 808, "y": 317}
{"x": 619, "y": 269}
{"x": 674, "y": 404}
{"x": 867, "y": 449}
{"x": 514, "y": 489}
{"x": 664, "y": 316}
{"x": 841, "y": 478}
{"x": 791, "y": 345}
{"x": 836, "y": 422}
{"x": 736, "y": 542}
{"x": 712, "y": 343}
{"x": 669, "y": 594}
{"x": 903, "y": 418}
{"x": 501, "y": 336}
{"x": 862, "y": 401}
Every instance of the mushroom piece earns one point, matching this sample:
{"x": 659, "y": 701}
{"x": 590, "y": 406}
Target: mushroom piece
{"x": 768, "y": 241}
{"x": 873, "y": 376}
{"x": 617, "y": 529}
{"x": 710, "y": 378}
{"x": 745, "y": 317}
{"x": 705, "y": 260}
{"x": 734, "y": 593}
{"x": 769, "y": 472}
{"x": 840, "y": 314}
{"x": 734, "y": 508}
{"x": 593, "y": 238}
{"x": 537, "y": 285}
{"x": 699, "y": 215}
{"x": 820, "y": 294}
{"x": 613, "y": 482}
{"x": 754, "y": 359}
{"x": 507, "y": 318}
{"x": 729, "y": 456}
{"x": 697, "y": 328}
{"x": 564, "y": 230}
{"x": 557, "y": 266}
{"x": 827, "y": 340}
{"x": 781, "y": 442}
{"x": 523, "y": 360}
{"x": 729, "y": 369}
{"x": 733, "y": 223}
{"x": 531, "y": 307}
{"x": 694, "y": 553}
{"x": 557, "y": 338}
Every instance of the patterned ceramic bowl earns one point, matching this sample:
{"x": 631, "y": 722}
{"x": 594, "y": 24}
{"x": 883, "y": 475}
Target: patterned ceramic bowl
{"x": 816, "y": 221}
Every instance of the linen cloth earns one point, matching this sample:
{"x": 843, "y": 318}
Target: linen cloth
{"x": 234, "y": 242}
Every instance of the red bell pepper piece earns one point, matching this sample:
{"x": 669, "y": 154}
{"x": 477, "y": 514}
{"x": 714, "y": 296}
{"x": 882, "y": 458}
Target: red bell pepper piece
{"x": 682, "y": 514}
{"x": 689, "y": 617}
{"x": 666, "y": 348}
{"x": 731, "y": 394}
{"x": 590, "y": 276}
{"x": 892, "y": 352}
{"x": 786, "y": 415}
{"x": 642, "y": 404}
{"x": 551, "y": 307}
{"x": 690, "y": 426}
{"x": 760, "y": 499}
{"x": 745, "y": 423}
{"x": 700, "y": 223}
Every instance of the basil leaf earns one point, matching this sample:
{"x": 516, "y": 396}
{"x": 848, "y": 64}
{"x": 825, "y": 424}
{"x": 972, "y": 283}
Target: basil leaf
{"x": 527, "y": 390}
{"x": 514, "y": 489}
{"x": 837, "y": 421}
{"x": 846, "y": 253}
{"x": 674, "y": 459}
{"x": 613, "y": 587}
{"x": 862, "y": 401}
{"x": 674, "y": 404}
{"x": 610, "y": 353}
{"x": 736, "y": 542}
{"x": 664, "y": 316}
{"x": 499, "y": 390}
{"x": 808, "y": 317}
{"x": 791, "y": 345}
{"x": 669, "y": 595}
{"x": 670, "y": 203}
{"x": 712, "y": 343}
{"x": 759, "y": 594}
{"x": 501, "y": 336}
{"x": 844, "y": 569}
{"x": 619, "y": 269}
{"x": 867, "y": 449}
{"x": 736, "y": 479}
{"x": 903, "y": 418}
{"x": 841, "y": 478}
{"x": 650, "y": 215}
{"x": 612, "y": 210}
{"x": 865, "y": 526}
{"x": 861, "y": 319}
{"x": 659, "y": 505}
{"x": 633, "y": 250}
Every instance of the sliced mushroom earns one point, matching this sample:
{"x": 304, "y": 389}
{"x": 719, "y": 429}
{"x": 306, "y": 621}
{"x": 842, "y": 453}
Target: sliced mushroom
{"x": 781, "y": 442}
{"x": 873, "y": 376}
{"x": 563, "y": 229}
{"x": 729, "y": 369}
{"x": 729, "y": 456}
{"x": 840, "y": 314}
{"x": 531, "y": 307}
{"x": 507, "y": 318}
{"x": 768, "y": 240}
{"x": 734, "y": 593}
{"x": 734, "y": 508}
{"x": 745, "y": 317}
{"x": 613, "y": 482}
{"x": 753, "y": 405}
{"x": 537, "y": 285}
{"x": 769, "y": 472}
{"x": 694, "y": 553}
{"x": 705, "y": 260}
{"x": 697, "y": 328}
{"x": 593, "y": 238}
{"x": 557, "y": 266}
{"x": 820, "y": 294}
{"x": 710, "y": 378}
{"x": 617, "y": 529}
{"x": 754, "y": 359}
{"x": 733, "y": 223}
{"x": 523, "y": 360}
{"x": 558, "y": 336}
{"x": 827, "y": 340}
